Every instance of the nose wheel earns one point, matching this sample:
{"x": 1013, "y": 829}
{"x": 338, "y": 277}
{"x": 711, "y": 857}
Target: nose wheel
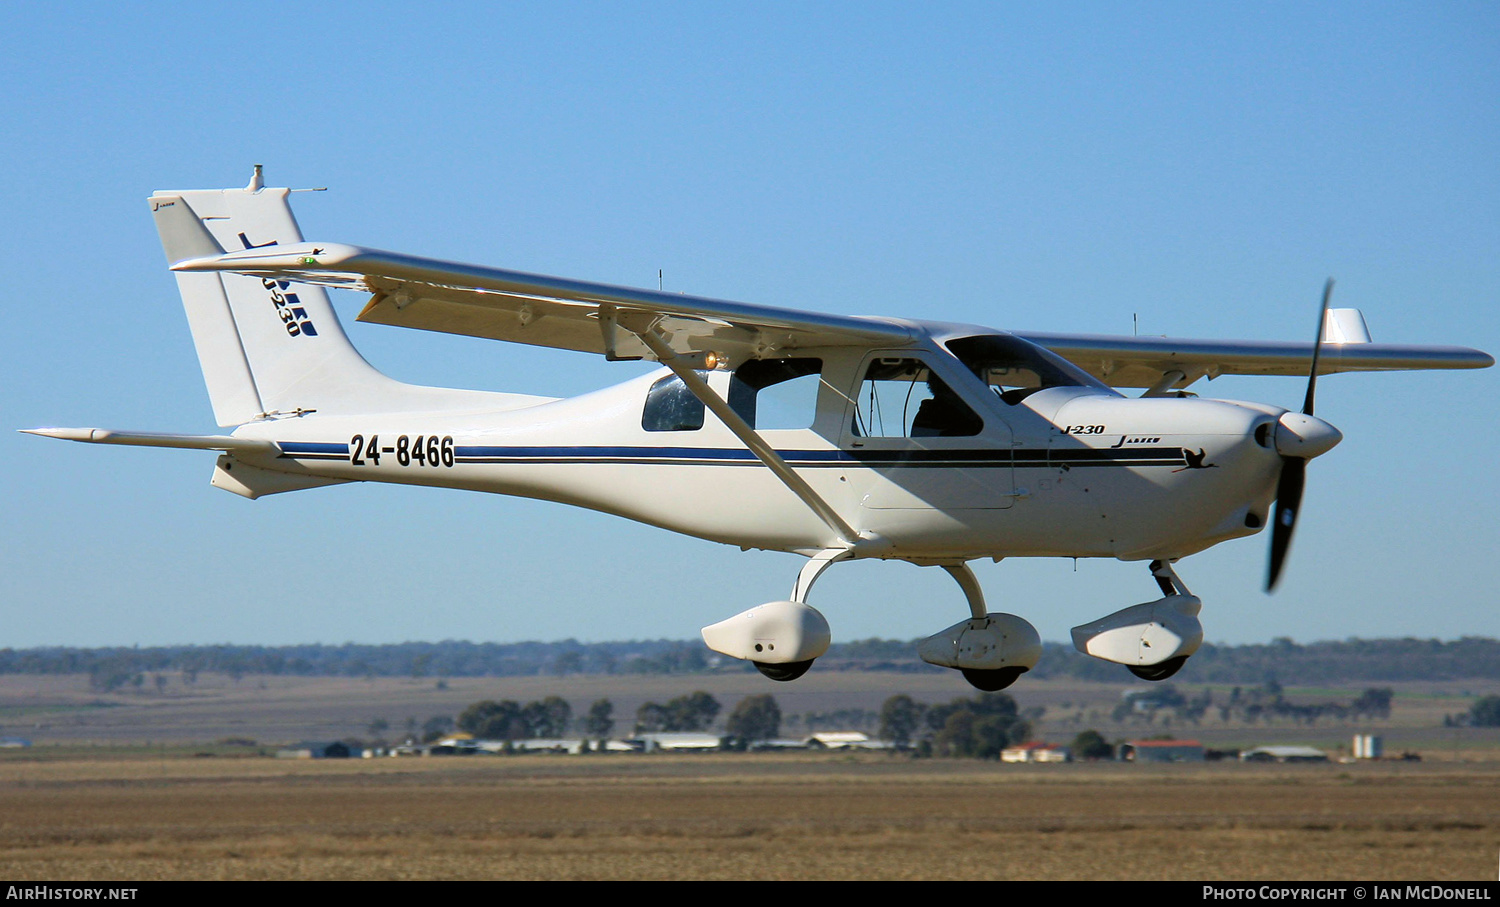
{"x": 1170, "y": 584}
{"x": 1152, "y": 640}
{"x": 1158, "y": 672}
{"x": 991, "y": 681}
{"x": 784, "y": 672}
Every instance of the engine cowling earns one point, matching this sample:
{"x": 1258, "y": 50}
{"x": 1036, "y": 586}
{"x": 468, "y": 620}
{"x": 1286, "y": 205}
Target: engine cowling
{"x": 774, "y": 633}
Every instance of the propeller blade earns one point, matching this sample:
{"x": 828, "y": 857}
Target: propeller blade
{"x": 1312, "y": 377}
{"x": 1284, "y": 520}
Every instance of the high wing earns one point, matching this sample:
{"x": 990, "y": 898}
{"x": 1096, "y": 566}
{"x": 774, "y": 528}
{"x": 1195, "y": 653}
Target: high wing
{"x": 1146, "y": 361}
{"x": 432, "y": 295}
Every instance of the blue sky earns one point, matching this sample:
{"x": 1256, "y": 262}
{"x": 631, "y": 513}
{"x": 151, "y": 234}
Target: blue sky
{"x": 1059, "y": 167}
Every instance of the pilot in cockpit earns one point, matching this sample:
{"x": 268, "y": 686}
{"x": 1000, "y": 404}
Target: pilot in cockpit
{"x": 944, "y": 414}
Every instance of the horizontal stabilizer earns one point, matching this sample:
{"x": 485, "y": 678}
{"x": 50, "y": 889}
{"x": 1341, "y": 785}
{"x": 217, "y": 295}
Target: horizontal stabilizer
{"x": 157, "y": 439}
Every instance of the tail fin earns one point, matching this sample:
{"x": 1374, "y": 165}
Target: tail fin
{"x": 265, "y": 347}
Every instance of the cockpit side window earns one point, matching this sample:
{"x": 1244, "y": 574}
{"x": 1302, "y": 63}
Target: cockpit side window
{"x": 902, "y": 398}
{"x": 1015, "y": 369}
{"x": 670, "y": 406}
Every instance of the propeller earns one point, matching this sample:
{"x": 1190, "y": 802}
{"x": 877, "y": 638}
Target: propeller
{"x": 1288, "y": 499}
{"x": 1299, "y": 438}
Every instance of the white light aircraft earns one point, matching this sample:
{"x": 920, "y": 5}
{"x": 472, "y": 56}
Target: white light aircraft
{"x": 834, "y": 437}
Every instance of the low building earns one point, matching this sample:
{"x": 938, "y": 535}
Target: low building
{"x": 679, "y": 742}
{"x": 1161, "y": 751}
{"x": 571, "y": 745}
{"x": 316, "y": 749}
{"x": 774, "y": 744}
{"x": 1036, "y": 752}
{"x": 455, "y": 745}
{"x": 845, "y": 740}
{"x": 1284, "y": 754}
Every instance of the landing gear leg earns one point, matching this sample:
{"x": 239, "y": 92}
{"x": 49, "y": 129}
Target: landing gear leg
{"x": 968, "y": 582}
{"x": 1167, "y": 579}
{"x": 814, "y": 568}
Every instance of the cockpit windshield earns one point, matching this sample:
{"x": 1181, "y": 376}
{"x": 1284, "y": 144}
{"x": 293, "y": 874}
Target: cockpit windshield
{"x": 1015, "y": 369}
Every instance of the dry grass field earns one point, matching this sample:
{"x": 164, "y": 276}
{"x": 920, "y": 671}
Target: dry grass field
{"x": 112, "y": 791}
{"x": 872, "y": 816}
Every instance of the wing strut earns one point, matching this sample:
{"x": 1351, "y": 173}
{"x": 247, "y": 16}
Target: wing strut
{"x": 764, "y": 452}
{"x": 1170, "y": 380}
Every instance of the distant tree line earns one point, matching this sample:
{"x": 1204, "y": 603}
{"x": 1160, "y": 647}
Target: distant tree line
{"x": 1348, "y": 661}
{"x": 754, "y": 718}
{"x": 693, "y": 712}
{"x": 1265, "y": 702}
{"x": 507, "y": 720}
{"x": 1484, "y": 713}
{"x": 974, "y": 728}
{"x": 148, "y": 669}
{"x": 978, "y": 727}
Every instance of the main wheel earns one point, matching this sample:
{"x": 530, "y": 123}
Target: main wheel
{"x": 784, "y": 672}
{"x": 991, "y": 681}
{"x": 1159, "y": 672}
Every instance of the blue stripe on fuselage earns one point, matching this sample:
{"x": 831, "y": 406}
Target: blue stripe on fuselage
{"x": 967, "y": 457}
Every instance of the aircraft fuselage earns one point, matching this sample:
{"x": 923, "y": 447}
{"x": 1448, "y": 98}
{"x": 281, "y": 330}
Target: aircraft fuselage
{"x": 1065, "y": 471}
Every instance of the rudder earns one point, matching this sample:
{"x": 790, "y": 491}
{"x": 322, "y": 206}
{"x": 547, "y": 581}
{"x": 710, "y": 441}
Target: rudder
{"x": 266, "y": 348}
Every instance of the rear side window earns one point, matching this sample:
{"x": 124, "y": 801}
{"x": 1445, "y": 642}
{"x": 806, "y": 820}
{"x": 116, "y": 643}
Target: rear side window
{"x": 670, "y": 406}
{"x": 777, "y": 393}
